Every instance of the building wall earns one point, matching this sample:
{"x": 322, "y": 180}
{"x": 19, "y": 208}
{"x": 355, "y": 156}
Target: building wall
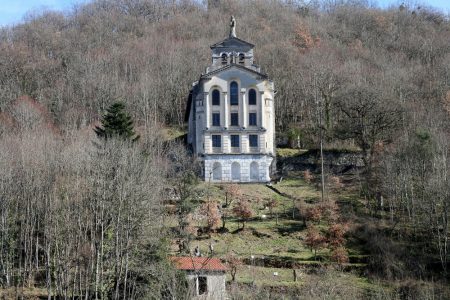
{"x": 245, "y": 164}
{"x": 201, "y": 128}
{"x": 215, "y": 283}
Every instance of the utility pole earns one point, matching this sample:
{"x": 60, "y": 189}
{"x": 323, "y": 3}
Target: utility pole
{"x": 319, "y": 112}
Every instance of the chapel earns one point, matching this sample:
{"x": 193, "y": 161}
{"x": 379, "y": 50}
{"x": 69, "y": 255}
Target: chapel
{"x": 230, "y": 114}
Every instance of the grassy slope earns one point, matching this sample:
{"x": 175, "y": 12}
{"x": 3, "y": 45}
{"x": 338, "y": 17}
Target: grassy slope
{"x": 268, "y": 241}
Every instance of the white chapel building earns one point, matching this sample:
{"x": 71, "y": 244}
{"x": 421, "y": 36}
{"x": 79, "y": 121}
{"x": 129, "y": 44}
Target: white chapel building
{"x": 231, "y": 115}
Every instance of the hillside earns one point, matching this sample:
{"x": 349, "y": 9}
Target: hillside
{"x": 356, "y": 258}
{"x": 363, "y": 90}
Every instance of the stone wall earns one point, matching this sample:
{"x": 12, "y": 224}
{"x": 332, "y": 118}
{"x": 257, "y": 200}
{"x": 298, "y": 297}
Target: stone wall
{"x": 247, "y": 168}
{"x": 334, "y": 161}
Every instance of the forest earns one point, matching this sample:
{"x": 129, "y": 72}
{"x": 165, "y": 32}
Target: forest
{"x": 87, "y": 217}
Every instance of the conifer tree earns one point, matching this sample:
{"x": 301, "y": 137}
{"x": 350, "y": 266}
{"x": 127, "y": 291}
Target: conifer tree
{"x": 116, "y": 123}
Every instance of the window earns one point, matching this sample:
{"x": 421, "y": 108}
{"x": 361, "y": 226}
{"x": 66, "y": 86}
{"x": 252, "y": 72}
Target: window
{"x": 252, "y": 119}
{"x": 235, "y": 171}
{"x": 254, "y": 171}
{"x": 252, "y": 97}
{"x": 202, "y": 285}
{"x": 224, "y": 59}
{"x": 241, "y": 58}
{"x": 216, "y": 119}
{"x": 234, "y": 93}
{"x": 217, "y": 171}
{"x": 234, "y": 141}
{"x": 215, "y": 97}
{"x": 216, "y": 141}
{"x": 234, "y": 119}
{"x": 253, "y": 139}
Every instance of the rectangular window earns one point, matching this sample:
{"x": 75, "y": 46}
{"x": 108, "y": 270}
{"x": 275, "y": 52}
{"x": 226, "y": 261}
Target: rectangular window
{"x": 216, "y": 140}
{"x": 234, "y": 119}
{"x": 234, "y": 141}
{"x": 202, "y": 285}
{"x": 252, "y": 119}
{"x": 216, "y": 119}
{"x": 215, "y": 97}
{"x": 234, "y": 93}
{"x": 253, "y": 139}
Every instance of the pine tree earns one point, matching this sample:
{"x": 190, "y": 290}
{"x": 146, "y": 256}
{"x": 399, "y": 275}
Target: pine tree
{"x": 116, "y": 123}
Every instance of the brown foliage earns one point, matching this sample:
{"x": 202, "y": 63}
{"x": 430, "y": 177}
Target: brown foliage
{"x": 330, "y": 211}
{"x": 190, "y": 226}
{"x": 314, "y": 239}
{"x": 336, "y": 234}
{"x": 340, "y": 255}
{"x": 213, "y": 217}
{"x": 314, "y": 214}
{"x": 232, "y": 192}
{"x": 303, "y": 39}
{"x": 243, "y": 210}
{"x": 308, "y": 176}
{"x": 336, "y": 182}
{"x": 233, "y": 262}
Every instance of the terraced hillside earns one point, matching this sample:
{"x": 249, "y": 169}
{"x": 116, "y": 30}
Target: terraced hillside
{"x": 273, "y": 250}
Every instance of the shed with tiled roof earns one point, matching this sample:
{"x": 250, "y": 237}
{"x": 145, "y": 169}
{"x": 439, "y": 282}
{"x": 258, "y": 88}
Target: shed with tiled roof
{"x": 206, "y": 276}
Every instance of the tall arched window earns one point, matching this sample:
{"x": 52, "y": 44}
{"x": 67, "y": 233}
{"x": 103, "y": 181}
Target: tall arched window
{"x": 252, "y": 97}
{"x": 254, "y": 171}
{"x": 217, "y": 171}
{"x": 215, "y": 97}
{"x": 234, "y": 93}
{"x": 235, "y": 171}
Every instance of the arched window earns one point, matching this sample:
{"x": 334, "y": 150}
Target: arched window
{"x": 252, "y": 97}
{"x": 235, "y": 171}
{"x": 241, "y": 58}
{"x": 216, "y": 97}
{"x": 217, "y": 171}
{"x": 224, "y": 59}
{"x": 234, "y": 93}
{"x": 254, "y": 171}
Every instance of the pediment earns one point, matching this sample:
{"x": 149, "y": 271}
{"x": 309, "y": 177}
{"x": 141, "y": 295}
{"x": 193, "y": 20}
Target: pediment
{"x": 233, "y": 43}
{"x": 231, "y": 67}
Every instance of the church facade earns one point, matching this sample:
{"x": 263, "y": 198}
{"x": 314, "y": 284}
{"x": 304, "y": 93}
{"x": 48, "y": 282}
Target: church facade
{"x": 231, "y": 117}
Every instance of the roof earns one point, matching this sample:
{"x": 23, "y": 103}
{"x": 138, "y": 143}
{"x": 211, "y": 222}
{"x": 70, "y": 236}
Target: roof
{"x": 198, "y": 263}
{"x": 262, "y": 75}
{"x": 233, "y": 43}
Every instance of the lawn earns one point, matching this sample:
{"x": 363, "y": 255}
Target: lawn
{"x": 274, "y": 240}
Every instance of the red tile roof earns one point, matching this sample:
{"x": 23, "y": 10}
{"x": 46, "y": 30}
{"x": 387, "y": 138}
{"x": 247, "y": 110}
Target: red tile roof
{"x": 198, "y": 263}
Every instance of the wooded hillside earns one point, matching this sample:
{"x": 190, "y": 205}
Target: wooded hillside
{"x": 81, "y": 216}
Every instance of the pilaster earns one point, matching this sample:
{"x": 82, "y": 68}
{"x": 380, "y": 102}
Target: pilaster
{"x": 208, "y": 143}
{"x": 207, "y": 107}
{"x": 243, "y": 110}
{"x": 261, "y": 109}
{"x": 244, "y": 143}
{"x": 225, "y": 109}
{"x": 226, "y": 144}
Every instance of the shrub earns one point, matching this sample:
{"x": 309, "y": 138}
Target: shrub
{"x": 336, "y": 234}
{"x": 213, "y": 217}
{"x": 308, "y": 176}
{"x": 340, "y": 255}
{"x": 314, "y": 239}
{"x": 314, "y": 214}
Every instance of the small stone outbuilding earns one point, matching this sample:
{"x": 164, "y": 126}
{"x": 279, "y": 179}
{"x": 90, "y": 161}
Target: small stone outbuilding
{"x": 206, "y": 276}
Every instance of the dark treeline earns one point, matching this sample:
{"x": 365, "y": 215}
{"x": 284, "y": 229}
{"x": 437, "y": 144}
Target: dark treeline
{"x": 79, "y": 217}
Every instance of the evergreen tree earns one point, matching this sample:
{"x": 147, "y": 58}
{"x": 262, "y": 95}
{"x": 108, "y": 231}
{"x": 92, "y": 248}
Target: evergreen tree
{"x": 117, "y": 123}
